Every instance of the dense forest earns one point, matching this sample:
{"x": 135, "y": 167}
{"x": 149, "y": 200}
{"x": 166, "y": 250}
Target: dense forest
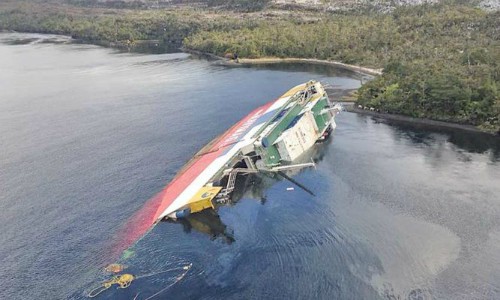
{"x": 440, "y": 61}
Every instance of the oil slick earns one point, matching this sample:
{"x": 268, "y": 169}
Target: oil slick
{"x": 273, "y": 139}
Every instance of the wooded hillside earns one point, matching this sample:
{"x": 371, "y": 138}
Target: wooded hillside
{"x": 440, "y": 61}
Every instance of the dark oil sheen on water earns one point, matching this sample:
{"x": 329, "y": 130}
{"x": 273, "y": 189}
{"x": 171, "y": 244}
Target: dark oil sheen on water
{"x": 88, "y": 135}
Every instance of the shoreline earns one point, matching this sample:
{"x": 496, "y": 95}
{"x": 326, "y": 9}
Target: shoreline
{"x": 277, "y": 60}
{"x": 349, "y": 107}
{"x": 222, "y": 60}
{"x": 274, "y": 60}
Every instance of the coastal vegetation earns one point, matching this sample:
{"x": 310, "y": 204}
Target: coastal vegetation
{"x": 440, "y": 61}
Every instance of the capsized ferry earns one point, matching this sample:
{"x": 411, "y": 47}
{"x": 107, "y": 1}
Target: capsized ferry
{"x": 269, "y": 139}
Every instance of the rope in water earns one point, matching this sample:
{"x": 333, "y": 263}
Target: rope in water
{"x": 123, "y": 281}
{"x": 179, "y": 278}
{"x": 164, "y": 271}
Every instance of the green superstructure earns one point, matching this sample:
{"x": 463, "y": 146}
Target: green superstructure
{"x": 303, "y": 120}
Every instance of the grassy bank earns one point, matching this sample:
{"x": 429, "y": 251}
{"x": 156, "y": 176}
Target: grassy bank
{"x": 440, "y": 61}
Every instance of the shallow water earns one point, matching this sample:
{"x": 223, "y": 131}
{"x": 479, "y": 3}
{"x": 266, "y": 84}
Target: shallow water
{"x": 89, "y": 135}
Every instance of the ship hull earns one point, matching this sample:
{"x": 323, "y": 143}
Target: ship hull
{"x": 250, "y": 145}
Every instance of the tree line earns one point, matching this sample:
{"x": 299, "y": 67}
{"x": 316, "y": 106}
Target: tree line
{"x": 440, "y": 61}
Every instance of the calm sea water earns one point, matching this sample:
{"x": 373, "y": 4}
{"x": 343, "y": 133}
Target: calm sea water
{"x": 89, "y": 135}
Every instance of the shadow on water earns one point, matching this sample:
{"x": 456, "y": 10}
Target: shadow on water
{"x": 14, "y": 42}
{"x": 209, "y": 223}
{"x": 473, "y": 142}
{"x": 141, "y": 47}
{"x": 20, "y": 39}
{"x": 326, "y": 70}
{"x": 153, "y": 47}
{"x": 252, "y": 186}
